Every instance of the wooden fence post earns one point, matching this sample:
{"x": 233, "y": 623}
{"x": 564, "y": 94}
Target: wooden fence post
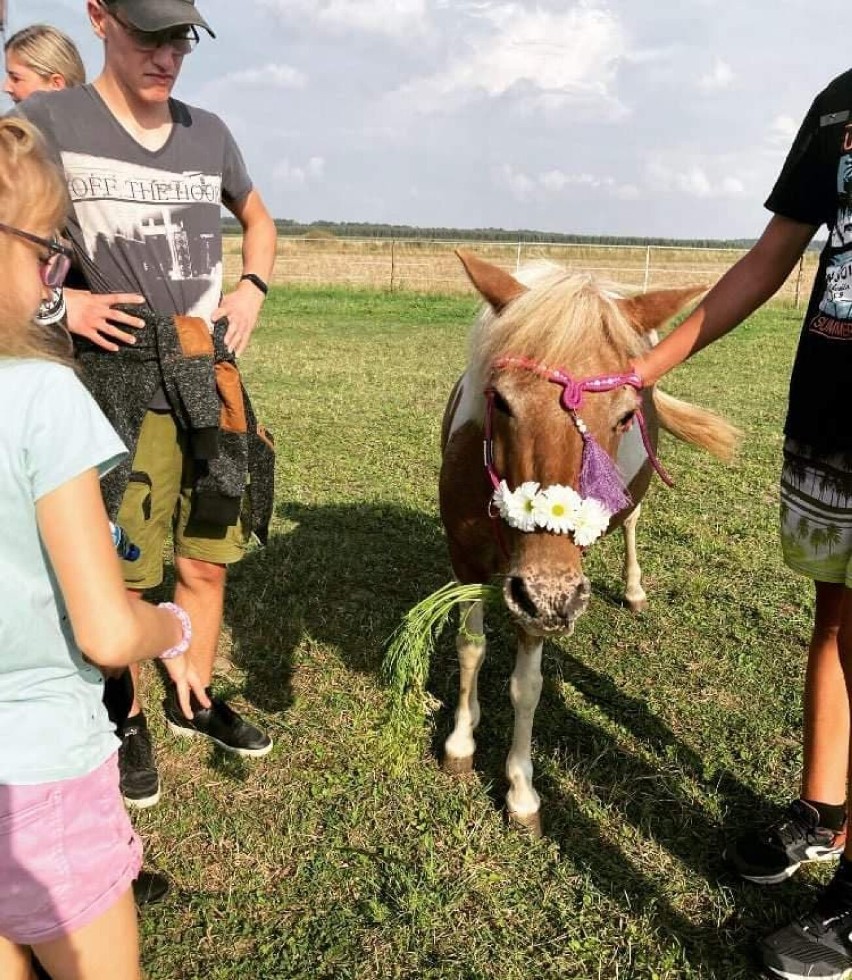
{"x": 799, "y": 279}
{"x": 393, "y": 263}
{"x": 647, "y": 269}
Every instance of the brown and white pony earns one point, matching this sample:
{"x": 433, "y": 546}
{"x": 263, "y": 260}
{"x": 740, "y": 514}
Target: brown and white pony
{"x": 548, "y": 380}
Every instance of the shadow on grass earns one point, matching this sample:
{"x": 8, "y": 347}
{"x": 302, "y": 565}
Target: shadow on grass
{"x": 656, "y": 796}
{"x": 341, "y": 575}
{"x": 344, "y": 575}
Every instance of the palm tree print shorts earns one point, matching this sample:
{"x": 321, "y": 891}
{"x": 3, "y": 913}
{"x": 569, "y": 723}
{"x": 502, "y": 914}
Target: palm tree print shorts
{"x": 816, "y": 513}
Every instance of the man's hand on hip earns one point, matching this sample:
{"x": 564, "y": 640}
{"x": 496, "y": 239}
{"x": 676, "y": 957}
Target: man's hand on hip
{"x": 242, "y": 308}
{"x": 92, "y": 315}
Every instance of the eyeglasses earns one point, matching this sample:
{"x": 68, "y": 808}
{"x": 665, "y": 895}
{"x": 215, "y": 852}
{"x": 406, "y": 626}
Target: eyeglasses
{"x": 182, "y": 40}
{"x": 57, "y": 262}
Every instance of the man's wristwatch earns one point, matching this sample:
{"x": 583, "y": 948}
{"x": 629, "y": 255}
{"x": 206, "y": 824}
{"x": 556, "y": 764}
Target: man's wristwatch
{"x": 255, "y": 281}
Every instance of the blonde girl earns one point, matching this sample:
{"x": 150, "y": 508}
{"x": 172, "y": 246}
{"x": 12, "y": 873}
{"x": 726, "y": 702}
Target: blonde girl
{"x": 68, "y": 853}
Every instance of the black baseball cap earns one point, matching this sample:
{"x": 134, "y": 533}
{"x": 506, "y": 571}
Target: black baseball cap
{"x": 159, "y": 15}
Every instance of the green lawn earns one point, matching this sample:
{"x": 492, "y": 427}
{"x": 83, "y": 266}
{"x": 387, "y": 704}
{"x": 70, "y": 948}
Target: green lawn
{"x": 348, "y": 853}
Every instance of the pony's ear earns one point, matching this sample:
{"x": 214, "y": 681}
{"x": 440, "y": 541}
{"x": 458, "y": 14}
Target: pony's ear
{"x": 495, "y": 286}
{"x": 647, "y": 311}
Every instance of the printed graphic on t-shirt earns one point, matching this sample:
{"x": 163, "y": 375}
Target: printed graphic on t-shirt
{"x": 151, "y": 223}
{"x": 837, "y": 298}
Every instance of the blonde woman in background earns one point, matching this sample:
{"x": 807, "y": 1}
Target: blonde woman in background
{"x": 41, "y": 58}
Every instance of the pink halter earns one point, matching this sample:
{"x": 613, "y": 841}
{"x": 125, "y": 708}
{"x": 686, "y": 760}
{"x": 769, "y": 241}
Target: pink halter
{"x": 571, "y": 399}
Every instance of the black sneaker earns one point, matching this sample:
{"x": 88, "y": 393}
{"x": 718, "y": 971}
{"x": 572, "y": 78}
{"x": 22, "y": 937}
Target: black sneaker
{"x": 220, "y": 723}
{"x": 137, "y": 767}
{"x": 818, "y": 945}
{"x": 772, "y": 855}
{"x": 150, "y": 887}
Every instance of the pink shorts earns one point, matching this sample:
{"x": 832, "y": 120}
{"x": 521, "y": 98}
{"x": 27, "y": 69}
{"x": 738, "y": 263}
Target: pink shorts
{"x": 68, "y": 852}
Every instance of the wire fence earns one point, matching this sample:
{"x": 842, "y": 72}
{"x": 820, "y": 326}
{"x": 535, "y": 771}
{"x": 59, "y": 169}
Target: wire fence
{"x": 419, "y": 265}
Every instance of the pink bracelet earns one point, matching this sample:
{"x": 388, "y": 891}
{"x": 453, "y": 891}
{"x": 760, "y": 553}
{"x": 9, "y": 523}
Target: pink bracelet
{"x": 185, "y": 627}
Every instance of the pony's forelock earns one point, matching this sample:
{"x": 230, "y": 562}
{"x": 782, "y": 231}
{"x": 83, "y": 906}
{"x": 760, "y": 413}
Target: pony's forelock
{"x": 562, "y": 320}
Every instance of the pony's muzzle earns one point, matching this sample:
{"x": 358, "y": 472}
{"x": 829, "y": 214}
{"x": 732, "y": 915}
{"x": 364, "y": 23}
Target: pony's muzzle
{"x": 547, "y": 605}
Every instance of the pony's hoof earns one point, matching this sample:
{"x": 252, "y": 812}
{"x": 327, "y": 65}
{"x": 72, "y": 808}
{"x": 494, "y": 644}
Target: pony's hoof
{"x": 637, "y": 606}
{"x": 530, "y": 822}
{"x": 458, "y": 767}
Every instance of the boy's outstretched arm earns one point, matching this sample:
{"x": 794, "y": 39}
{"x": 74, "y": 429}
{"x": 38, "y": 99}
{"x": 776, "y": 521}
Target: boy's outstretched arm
{"x": 756, "y": 277}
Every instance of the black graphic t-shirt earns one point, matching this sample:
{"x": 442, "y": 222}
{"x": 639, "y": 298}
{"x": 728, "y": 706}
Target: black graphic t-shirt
{"x": 144, "y": 221}
{"x": 815, "y": 187}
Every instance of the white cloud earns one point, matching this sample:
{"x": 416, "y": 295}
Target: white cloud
{"x": 733, "y": 187}
{"x": 393, "y": 18}
{"x": 524, "y": 187}
{"x": 518, "y": 184}
{"x": 556, "y": 180}
{"x": 783, "y": 130}
{"x": 693, "y": 180}
{"x": 548, "y": 58}
{"x": 267, "y": 76}
{"x": 626, "y": 192}
{"x": 289, "y": 173}
{"x": 720, "y": 76}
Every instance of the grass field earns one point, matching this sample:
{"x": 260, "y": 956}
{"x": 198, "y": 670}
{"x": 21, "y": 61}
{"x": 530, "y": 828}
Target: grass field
{"x": 348, "y": 853}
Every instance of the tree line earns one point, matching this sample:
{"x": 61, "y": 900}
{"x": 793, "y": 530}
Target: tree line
{"x": 363, "y": 229}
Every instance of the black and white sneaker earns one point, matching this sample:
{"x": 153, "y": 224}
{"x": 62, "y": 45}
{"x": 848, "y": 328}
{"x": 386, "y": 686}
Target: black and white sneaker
{"x": 818, "y": 945}
{"x": 774, "y": 854}
{"x": 220, "y": 723}
{"x": 138, "y": 777}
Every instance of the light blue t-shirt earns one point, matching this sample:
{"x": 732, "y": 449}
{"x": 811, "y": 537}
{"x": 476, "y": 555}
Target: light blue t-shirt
{"x": 53, "y": 724}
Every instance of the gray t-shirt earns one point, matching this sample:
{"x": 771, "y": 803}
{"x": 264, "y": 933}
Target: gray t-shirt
{"x": 144, "y": 221}
{"x": 52, "y": 723}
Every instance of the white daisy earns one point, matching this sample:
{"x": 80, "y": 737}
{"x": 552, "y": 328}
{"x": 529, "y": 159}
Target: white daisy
{"x": 590, "y": 521}
{"x": 555, "y": 508}
{"x": 520, "y": 504}
{"x": 501, "y": 497}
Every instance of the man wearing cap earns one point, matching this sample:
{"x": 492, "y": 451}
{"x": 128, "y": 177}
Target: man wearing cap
{"x": 147, "y": 176}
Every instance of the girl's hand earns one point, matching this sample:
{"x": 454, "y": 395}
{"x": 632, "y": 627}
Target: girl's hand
{"x": 186, "y": 682}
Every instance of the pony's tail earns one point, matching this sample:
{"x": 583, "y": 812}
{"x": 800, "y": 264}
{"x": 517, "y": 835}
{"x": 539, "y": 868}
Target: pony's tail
{"x": 698, "y": 426}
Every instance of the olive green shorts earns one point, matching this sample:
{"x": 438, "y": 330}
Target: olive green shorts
{"x": 157, "y": 504}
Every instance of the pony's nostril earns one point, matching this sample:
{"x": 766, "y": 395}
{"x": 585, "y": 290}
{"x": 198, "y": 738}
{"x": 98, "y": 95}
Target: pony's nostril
{"x": 520, "y": 596}
{"x": 572, "y": 603}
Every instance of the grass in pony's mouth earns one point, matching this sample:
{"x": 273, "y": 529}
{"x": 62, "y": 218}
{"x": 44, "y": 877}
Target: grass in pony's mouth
{"x": 405, "y": 666}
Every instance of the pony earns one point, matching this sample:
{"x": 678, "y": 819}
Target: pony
{"x": 549, "y": 441}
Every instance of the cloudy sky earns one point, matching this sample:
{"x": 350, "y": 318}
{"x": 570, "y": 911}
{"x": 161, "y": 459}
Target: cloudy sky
{"x": 622, "y": 117}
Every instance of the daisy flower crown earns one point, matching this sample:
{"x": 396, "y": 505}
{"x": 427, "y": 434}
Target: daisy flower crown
{"x": 557, "y": 508}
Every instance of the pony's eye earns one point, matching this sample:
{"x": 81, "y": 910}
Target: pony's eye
{"x": 501, "y": 404}
{"x": 624, "y": 422}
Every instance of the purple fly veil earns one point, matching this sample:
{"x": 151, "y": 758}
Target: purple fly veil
{"x": 599, "y": 478}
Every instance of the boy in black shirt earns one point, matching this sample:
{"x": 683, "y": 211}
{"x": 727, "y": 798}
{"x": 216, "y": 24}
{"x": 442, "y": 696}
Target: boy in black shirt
{"x": 814, "y": 189}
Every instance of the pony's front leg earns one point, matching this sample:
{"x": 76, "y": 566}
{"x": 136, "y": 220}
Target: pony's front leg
{"x": 470, "y": 643}
{"x": 522, "y": 801}
{"x": 635, "y": 595}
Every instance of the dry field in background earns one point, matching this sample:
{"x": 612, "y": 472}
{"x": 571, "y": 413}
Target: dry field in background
{"x": 431, "y": 267}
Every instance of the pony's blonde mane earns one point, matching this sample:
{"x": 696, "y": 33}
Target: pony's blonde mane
{"x": 563, "y": 320}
